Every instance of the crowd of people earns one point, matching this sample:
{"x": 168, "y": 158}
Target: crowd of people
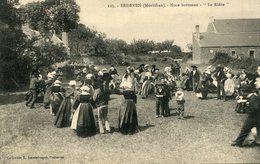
{"x": 243, "y": 86}
{"x": 221, "y": 79}
{"x": 73, "y": 104}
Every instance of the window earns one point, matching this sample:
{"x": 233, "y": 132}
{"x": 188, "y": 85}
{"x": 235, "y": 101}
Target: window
{"x": 233, "y": 53}
{"x": 251, "y": 53}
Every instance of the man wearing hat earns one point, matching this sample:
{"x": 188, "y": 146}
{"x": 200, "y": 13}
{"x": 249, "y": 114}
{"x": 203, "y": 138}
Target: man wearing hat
{"x": 106, "y": 79}
{"x": 160, "y": 97}
{"x": 48, "y": 84}
{"x": 141, "y": 68}
{"x": 97, "y": 81}
{"x": 33, "y": 89}
{"x": 195, "y": 77}
{"x": 167, "y": 98}
{"x": 113, "y": 70}
{"x": 220, "y": 78}
{"x": 153, "y": 68}
{"x": 250, "y": 78}
{"x": 114, "y": 74}
{"x": 252, "y": 120}
{"x": 175, "y": 69}
{"x": 102, "y": 100}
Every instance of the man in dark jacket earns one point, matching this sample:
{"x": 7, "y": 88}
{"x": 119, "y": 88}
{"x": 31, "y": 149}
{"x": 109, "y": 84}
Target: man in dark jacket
{"x": 113, "y": 71}
{"x": 253, "y": 119}
{"x": 102, "y": 100}
{"x": 195, "y": 77}
{"x": 220, "y": 78}
{"x": 167, "y": 98}
{"x": 33, "y": 89}
{"x": 161, "y": 96}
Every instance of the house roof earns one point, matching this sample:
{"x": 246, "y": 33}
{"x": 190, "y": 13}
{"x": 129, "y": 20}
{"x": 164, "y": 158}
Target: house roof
{"x": 30, "y": 33}
{"x": 229, "y": 40}
{"x": 236, "y": 25}
{"x": 56, "y": 40}
{"x": 231, "y": 33}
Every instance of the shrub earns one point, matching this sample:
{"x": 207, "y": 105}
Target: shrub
{"x": 220, "y": 58}
{"x": 187, "y": 57}
{"x": 68, "y": 72}
{"x": 164, "y": 59}
{"x": 138, "y": 59}
{"x": 249, "y": 64}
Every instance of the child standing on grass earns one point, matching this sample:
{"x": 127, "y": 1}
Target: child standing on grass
{"x": 160, "y": 103}
{"x": 180, "y": 103}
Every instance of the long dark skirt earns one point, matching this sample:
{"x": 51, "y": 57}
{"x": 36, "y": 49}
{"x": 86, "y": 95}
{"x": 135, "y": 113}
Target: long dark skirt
{"x": 55, "y": 101}
{"x": 128, "y": 122}
{"x": 186, "y": 83}
{"x": 83, "y": 121}
{"x": 62, "y": 118}
{"x": 204, "y": 94}
{"x": 146, "y": 88}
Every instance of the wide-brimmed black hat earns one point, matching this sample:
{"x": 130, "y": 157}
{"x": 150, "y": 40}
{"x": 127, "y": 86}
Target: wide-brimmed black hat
{"x": 194, "y": 66}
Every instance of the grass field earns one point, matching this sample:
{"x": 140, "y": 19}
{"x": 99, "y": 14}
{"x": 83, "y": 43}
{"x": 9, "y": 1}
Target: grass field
{"x": 28, "y": 135}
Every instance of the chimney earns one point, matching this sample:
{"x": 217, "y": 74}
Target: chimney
{"x": 197, "y": 28}
{"x": 211, "y": 19}
{"x": 197, "y": 32}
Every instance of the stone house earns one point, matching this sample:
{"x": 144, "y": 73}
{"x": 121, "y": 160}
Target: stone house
{"x": 236, "y": 37}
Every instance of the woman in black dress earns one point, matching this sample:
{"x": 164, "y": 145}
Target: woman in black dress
{"x": 56, "y": 97}
{"x": 83, "y": 119}
{"x": 63, "y": 115}
{"x": 128, "y": 122}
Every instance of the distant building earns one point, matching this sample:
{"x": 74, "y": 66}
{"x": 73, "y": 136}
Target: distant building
{"x": 40, "y": 39}
{"x": 236, "y": 37}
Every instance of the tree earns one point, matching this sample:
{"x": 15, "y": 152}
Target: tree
{"x": 167, "y": 45}
{"x": 142, "y": 46}
{"x": 176, "y": 49}
{"x": 99, "y": 45}
{"x": 13, "y": 66}
{"x": 35, "y": 15}
{"x": 158, "y": 46}
{"x": 84, "y": 40}
{"x": 58, "y": 15}
{"x": 79, "y": 39}
{"x": 45, "y": 54}
{"x": 115, "y": 46}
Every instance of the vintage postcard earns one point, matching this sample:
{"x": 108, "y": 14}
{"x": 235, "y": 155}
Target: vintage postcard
{"x": 129, "y": 81}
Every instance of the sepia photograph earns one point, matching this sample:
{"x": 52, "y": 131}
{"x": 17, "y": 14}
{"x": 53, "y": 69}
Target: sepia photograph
{"x": 129, "y": 81}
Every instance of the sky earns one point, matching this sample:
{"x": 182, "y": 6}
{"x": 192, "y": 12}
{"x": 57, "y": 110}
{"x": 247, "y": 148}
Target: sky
{"x": 158, "y": 23}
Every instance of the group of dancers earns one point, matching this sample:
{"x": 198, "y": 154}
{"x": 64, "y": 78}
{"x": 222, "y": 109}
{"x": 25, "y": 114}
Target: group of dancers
{"x": 73, "y": 104}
